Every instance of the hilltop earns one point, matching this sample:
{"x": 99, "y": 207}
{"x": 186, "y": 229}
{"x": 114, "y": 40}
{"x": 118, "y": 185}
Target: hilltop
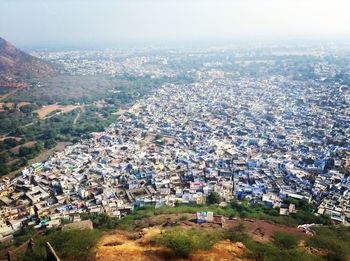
{"x": 16, "y": 64}
{"x": 173, "y": 233}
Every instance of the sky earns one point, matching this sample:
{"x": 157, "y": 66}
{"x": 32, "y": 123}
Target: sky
{"x": 113, "y": 22}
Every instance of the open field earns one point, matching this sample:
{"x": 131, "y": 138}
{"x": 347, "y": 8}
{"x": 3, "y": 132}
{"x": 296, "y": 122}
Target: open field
{"x": 46, "y": 110}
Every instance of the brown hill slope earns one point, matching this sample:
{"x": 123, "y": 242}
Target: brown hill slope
{"x": 17, "y": 65}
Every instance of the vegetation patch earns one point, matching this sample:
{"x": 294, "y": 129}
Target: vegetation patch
{"x": 69, "y": 245}
{"x": 334, "y": 240}
{"x": 183, "y": 242}
{"x": 234, "y": 209}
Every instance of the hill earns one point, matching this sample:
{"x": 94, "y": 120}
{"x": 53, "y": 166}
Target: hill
{"x": 17, "y": 65}
{"x": 172, "y": 233}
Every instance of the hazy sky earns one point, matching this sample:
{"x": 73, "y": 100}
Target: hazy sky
{"x": 33, "y": 22}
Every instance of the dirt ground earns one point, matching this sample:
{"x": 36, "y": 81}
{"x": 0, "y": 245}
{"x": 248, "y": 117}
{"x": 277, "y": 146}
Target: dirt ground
{"x": 120, "y": 112}
{"x": 100, "y": 104}
{"x": 46, "y": 110}
{"x": 10, "y": 104}
{"x": 27, "y": 144}
{"x": 123, "y": 246}
{"x": 119, "y": 245}
{"x": 136, "y": 246}
{"x": 262, "y": 230}
{"x": 4, "y": 137}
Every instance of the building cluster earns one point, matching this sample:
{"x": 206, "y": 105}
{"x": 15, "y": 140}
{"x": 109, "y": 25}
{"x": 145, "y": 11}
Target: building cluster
{"x": 261, "y": 139}
{"x": 109, "y": 62}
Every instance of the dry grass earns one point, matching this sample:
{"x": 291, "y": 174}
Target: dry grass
{"x": 263, "y": 231}
{"x": 123, "y": 246}
{"x": 10, "y": 105}
{"x": 46, "y": 110}
{"x": 27, "y": 144}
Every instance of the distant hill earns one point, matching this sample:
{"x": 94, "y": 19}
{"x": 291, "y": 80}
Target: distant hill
{"x": 16, "y": 65}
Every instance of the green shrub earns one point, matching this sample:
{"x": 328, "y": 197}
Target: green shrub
{"x": 270, "y": 252}
{"x": 184, "y": 242}
{"x": 69, "y": 245}
{"x": 236, "y": 234}
{"x": 334, "y": 240}
{"x": 214, "y": 198}
{"x": 178, "y": 242}
{"x": 183, "y": 217}
{"x": 276, "y": 254}
{"x": 286, "y": 241}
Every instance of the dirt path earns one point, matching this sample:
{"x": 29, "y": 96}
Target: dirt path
{"x": 76, "y": 119}
{"x": 78, "y": 116}
{"x": 5, "y": 136}
{"x": 134, "y": 108}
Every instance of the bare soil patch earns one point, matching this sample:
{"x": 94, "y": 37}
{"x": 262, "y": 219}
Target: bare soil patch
{"x": 131, "y": 248}
{"x": 27, "y": 144}
{"x": 4, "y": 137}
{"x": 135, "y": 246}
{"x": 46, "y": 110}
{"x": 262, "y": 230}
{"x": 11, "y": 105}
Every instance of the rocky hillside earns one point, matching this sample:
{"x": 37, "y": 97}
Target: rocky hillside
{"x": 16, "y": 65}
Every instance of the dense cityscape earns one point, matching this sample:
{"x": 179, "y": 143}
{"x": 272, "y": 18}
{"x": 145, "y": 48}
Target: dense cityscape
{"x": 261, "y": 139}
{"x": 162, "y": 130}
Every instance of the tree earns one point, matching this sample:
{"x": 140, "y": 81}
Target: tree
{"x": 27, "y": 108}
{"x": 178, "y": 203}
{"x": 49, "y": 144}
{"x": 25, "y": 151}
{"x": 158, "y": 136}
{"x": 4, "y": 169}
{"x": 10, "y": 142}
{"x": 214, "y": 198}
{"x": 144, "y": 134}
{"x": 287, "y": 241}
